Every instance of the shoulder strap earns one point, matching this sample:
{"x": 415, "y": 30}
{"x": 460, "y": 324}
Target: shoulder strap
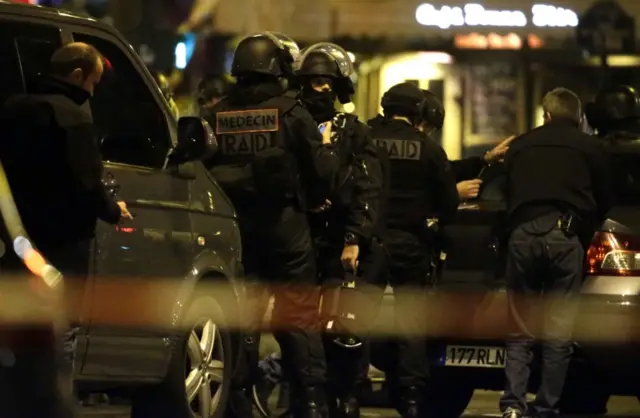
{"x": 284, "y": 103}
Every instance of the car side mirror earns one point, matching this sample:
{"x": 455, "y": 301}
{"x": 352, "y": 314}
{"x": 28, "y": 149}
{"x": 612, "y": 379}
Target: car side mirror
{"x": 196, "y": 141}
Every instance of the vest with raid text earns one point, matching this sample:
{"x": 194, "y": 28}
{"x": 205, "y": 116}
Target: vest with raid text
{"x": 254, "y": 163}
{"x": 407, "y": 206}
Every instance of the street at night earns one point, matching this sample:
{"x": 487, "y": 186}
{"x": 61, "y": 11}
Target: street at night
{"x": 484, "y": 404}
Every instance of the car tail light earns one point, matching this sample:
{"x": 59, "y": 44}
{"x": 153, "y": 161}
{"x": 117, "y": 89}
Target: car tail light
{"x": 613, "y": 255}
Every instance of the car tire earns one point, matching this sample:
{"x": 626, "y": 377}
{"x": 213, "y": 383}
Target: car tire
{"x": 198, "y": 361}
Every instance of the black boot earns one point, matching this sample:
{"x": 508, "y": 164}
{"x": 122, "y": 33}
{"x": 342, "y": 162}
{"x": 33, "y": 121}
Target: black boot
{"x": 312, "y": 405}
{"x": 348, "y": 407}
{"x": 411, "y": 403}
{"x": 239, "y": 404}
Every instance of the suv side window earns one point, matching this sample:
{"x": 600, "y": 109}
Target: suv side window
{"x": 25, "y": 49}
{"x": 130, "y": 125}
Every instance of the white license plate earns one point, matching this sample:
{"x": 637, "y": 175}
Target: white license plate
{"x": 474, "y": 356}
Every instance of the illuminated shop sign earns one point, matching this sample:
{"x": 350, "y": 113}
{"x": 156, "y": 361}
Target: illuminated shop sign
{"x": 541, "y": 15}
{"x": 495, "y": 41}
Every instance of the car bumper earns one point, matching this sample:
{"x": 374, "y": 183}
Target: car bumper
{"x": 607, "y": 329}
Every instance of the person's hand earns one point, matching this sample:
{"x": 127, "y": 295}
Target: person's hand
{"x": 124, "y": 212}
{"x": 469, "y": 189}
{"x": 325, "y": 206}
{"x": 349, "y": 257}
{"x": 497, "y": 153}
{"x": 326, "y": 133}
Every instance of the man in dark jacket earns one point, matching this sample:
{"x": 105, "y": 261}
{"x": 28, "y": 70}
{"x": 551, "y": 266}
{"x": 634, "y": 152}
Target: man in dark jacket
{"x": 54, "y": 169}
{"x": 558, "y": 190}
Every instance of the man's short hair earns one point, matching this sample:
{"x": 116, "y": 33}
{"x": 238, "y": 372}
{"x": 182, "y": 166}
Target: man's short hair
{"x": 562, "y": 103}
{"x": 74, "y": 55}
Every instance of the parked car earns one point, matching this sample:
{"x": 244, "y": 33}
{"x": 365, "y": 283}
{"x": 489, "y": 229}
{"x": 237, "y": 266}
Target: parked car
{"x": 467, "y": 308}
{"x": 174, "y": 353}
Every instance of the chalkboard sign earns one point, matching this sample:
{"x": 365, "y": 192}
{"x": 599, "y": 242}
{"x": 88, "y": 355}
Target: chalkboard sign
{"x": 493, "y": 98}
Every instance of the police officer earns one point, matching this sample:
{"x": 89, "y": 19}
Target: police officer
{"x": 165, "y": 87}
{"x": 270, "y": 154}
{"x": 211, "y": 89}
{"x": 467, "y": 170}
{"x": 558, "y": 188}
{"x": 422, "y": 187}
{"x": 615, "y": 114}
{"x": 351, "y": 260}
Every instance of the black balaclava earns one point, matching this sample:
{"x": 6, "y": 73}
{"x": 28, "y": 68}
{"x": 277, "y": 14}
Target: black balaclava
{"x": 321, "y": 104}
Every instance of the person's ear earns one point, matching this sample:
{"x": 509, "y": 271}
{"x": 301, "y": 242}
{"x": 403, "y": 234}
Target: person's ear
{"x": 546, "y": 116}
{"x": 77, "y": 75}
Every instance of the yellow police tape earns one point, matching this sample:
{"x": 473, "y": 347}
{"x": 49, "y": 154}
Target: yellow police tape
{"x": 151, "y": 302}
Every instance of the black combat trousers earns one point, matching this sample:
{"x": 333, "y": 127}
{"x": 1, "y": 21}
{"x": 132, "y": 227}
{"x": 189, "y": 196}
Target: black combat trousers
{"x": 409, "y": 269}
{"x": 544, "y": 277}
{"x": 348, "y": 367}
{"x": 279, "y": 260}
{"x": 36, "y": 371}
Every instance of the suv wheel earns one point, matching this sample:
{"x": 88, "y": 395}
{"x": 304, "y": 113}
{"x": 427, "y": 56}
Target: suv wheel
{"x": 197, "y": 383}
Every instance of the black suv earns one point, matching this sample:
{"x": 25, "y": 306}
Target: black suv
{"x": 184, "y": 234}
{"x": 467, "y": 306}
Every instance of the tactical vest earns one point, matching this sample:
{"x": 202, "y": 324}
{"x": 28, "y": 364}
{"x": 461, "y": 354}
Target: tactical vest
{"x": 407, "y": 205}
{"x": 254, "y": 163}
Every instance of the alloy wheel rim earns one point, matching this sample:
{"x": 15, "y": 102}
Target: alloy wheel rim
{"x": 204, "y": 368}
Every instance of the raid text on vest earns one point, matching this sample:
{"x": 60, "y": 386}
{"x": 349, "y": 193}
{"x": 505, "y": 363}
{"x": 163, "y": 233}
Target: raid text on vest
{"x": 401, "y": 149}
{"x": 247, "y": 132}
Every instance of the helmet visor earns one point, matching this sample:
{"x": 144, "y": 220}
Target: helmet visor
{"x": 341, "y": 57}
{"x": 286, "y": 43}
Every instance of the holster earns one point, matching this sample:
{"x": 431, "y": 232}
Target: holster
{"x": 571, "y": 224}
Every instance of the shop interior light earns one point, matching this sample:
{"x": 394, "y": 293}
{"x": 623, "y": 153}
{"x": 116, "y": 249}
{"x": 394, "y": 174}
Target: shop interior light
{"x": 435, "y": 57}
{"x": 421, "y": 66}
{"x": 616, "y": 61}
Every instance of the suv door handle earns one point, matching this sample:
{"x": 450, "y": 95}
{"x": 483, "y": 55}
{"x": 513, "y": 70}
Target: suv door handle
{"x": 111, "y": 184}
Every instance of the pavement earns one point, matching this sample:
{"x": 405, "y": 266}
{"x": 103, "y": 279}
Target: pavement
{"x": 484, "y": 404}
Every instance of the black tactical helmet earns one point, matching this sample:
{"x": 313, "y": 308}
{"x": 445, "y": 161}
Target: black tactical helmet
{"x": 211, "y": 87}
{"x": 618, "y": 103}
{"x": 326, "y": 59}
{"x": 267, "y": 53}
{"x": 403, "y": 99}
{"x": 432, "y": 110}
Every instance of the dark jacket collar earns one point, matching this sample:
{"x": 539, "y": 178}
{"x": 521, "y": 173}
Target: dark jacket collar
{"x": 244, "y": 94}
{"x": 563, "y": 122}
{"x": 45, "y": 84}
